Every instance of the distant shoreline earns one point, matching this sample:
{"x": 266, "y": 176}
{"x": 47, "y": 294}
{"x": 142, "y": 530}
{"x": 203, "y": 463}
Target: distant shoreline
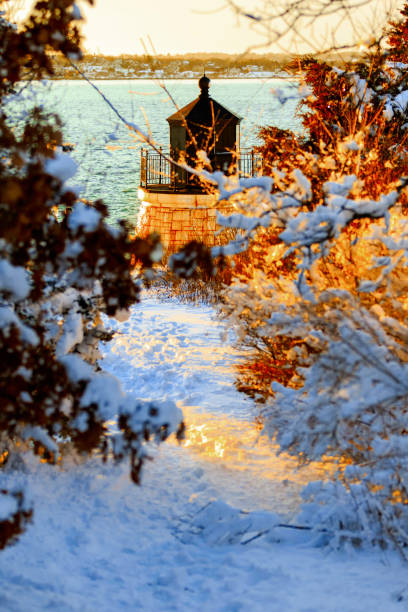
{"x": 185, "y": 67}
{"x": 288, "y": 77}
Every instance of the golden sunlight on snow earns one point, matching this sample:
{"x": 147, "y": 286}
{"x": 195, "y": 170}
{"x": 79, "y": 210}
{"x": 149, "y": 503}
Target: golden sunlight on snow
{"x": 241, "y": 446}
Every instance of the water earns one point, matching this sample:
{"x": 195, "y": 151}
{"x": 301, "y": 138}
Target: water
{"x": 108, "y": 153}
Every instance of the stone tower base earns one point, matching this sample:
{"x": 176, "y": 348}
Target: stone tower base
{"x": 180, "y": 217}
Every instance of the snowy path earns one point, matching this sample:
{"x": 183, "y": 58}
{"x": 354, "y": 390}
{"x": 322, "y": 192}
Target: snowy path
{"x": 177, "y": 351}
{"x": 98, "y": 543}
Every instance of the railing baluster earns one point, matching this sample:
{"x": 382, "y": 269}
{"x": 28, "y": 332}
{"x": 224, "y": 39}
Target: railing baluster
{"x": 142, "y": 169}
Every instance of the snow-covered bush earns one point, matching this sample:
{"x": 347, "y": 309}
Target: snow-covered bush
{"x": 61, "y": 265}
{"x": 321, "y": 298}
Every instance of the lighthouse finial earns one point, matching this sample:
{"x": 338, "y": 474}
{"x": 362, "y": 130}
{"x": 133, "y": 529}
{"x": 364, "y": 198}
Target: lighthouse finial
{"x": 204, "y": 85}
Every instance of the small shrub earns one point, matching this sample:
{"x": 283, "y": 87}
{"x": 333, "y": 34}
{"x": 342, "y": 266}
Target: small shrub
{"x": 321, "y": 301}
{"x": 61, "y": 266}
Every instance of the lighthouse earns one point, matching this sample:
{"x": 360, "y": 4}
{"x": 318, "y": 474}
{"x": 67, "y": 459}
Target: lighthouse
{"x": 175, "y": 203}
{"x": 204, "y": 125}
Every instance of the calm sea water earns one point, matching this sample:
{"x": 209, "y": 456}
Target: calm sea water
{"x": 108, "y": 154}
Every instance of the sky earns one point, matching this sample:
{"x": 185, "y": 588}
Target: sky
{"x": 114, "y": 27}
{"x": 186, "y": 26}
{"x": 180, "y": 26}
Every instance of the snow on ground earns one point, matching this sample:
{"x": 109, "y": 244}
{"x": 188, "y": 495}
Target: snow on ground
{"x": 178, "y": 352}
{"x": 180, "y": 541}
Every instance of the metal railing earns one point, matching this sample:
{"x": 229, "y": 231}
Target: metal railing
{"x": 157, "y": 172}
{"x": 155, "y": 169}
{"x": 249, "y": 163}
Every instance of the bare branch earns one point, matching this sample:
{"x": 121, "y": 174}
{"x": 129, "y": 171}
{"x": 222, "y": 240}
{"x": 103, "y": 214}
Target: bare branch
{"x": 316, "y": 26}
